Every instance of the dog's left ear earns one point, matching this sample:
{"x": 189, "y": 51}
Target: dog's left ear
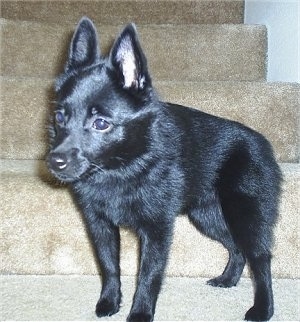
{"x": 129, "y": 61}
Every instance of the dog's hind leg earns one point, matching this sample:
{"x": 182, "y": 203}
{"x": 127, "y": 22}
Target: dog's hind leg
{"x": 263, "y": 307}
{"x": 252, "y": 223}
{"x": 208, "y": 218}
{"x": 232, "y": 272}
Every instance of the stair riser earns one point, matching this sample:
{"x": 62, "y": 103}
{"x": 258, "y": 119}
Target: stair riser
{"x": 119, "y": 12}
{"x": 43, "y": 233}
{"x": 194, "y": 53}
{"x": 272, "y": 109}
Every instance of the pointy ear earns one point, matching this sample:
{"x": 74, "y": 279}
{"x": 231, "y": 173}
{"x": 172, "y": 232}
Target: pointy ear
{"x": 84, "y": 48}
{"x": 129, "y": 61}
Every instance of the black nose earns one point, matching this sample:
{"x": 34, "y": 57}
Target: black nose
{"x": 58, "y": 161}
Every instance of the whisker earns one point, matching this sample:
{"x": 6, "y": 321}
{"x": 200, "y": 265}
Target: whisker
{"x": 96, "y": 166}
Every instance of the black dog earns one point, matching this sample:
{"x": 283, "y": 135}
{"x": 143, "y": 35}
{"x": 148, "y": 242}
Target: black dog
{"x": 134, "y": 161}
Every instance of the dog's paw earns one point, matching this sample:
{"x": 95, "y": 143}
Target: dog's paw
{"x": 222, "y": 281}
{"x": 140, "y": 317}
{"x": 258, "y": 314}
{"x": 106, "y": 307}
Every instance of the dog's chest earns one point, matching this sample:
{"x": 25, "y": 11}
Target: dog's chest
{"x": 119, "y": 201}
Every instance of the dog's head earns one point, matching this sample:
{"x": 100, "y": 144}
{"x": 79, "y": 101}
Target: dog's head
{"x": 103, "y": 113}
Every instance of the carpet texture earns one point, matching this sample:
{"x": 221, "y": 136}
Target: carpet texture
{"x": 172, "y": 50}
{"x": 120, "y": 12}
{"x": 182, "y": 299}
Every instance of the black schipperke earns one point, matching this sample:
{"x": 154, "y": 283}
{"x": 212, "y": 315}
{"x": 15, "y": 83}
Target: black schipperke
{"x": 134, "y": 161}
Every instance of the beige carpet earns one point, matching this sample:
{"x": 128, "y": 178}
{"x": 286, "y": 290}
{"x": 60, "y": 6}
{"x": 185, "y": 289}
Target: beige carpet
{"x": 172, "y": 50}
{"x": 122, "y": 11}
{"x": 61, "y": 298}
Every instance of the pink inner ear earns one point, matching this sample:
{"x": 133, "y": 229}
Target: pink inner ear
{"x": 126, "y": 57}
{"x": 129, "y": 72}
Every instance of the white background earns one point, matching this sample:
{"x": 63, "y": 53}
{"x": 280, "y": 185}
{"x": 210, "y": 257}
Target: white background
{"x": 282, "y": 20}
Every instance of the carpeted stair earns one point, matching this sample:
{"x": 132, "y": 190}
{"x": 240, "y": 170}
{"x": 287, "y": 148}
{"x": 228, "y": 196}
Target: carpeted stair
{"x": 200, "y": 55}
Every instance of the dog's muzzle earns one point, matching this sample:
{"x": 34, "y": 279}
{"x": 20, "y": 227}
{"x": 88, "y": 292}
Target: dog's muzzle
{"x": 67, "y": 166}
{"x": 58, "y": 161}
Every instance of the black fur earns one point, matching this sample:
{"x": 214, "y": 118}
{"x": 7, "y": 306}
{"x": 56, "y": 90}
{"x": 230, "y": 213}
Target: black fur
{"x": 134, "y": 161}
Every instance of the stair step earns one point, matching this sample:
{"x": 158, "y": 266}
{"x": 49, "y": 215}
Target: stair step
{"x": 37, "y": 298}
{"x": 270, "y": 108}
{"x": 185, "y": 52}
{"x": 120, "y": 12}
{"x": 43, "y": 214}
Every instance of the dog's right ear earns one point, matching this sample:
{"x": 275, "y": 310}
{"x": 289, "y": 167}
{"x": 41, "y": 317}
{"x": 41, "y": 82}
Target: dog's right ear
{"x": 84, "y": 49}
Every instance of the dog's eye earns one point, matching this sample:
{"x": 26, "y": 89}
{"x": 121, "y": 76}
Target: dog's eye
{"x": 59, "y": 117}
{"x": 101, "y": 125}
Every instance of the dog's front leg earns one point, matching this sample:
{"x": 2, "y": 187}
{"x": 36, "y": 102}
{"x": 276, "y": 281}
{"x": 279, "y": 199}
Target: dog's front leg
{"x": 154, "y": 253}
{"x": 106, "y": 238}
